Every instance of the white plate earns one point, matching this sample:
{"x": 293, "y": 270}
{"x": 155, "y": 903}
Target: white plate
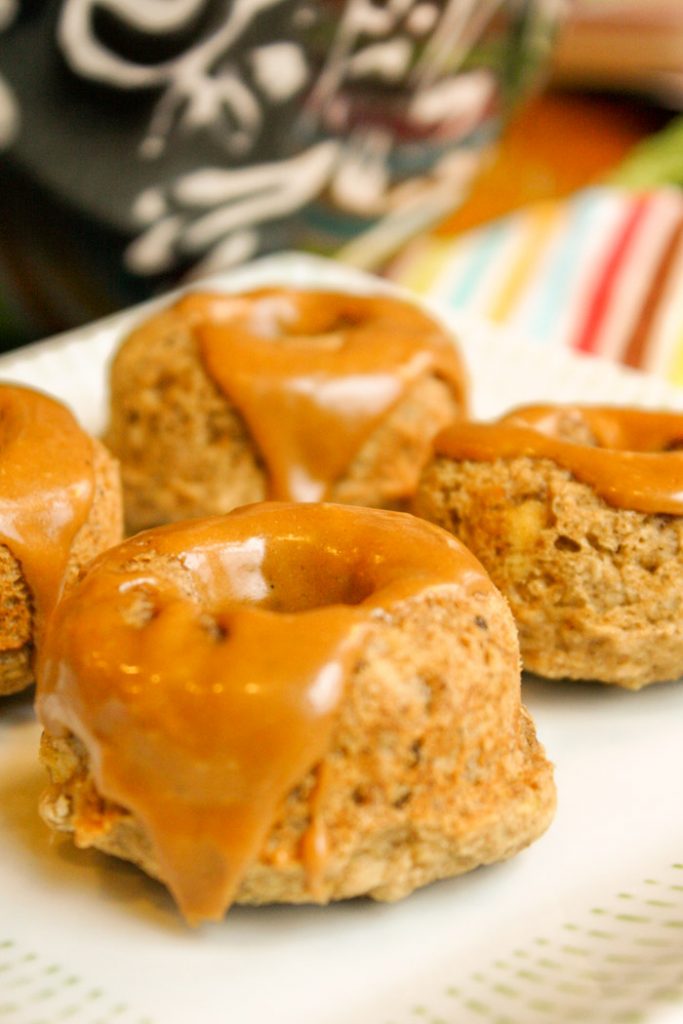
{"x": 587, "y": 925}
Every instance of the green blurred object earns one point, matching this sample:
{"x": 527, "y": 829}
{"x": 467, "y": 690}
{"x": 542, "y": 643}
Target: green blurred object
{"x": 656, "y": 161}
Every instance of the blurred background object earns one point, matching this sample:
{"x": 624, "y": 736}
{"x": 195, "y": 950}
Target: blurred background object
{"x": 148, "y": 142}
{"x": 625, "y": 44}
{"x": 617, "y": 69}
{"x": 573, "y": 236}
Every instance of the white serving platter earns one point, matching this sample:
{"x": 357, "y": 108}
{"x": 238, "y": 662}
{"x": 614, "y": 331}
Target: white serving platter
{"x": 587, "y": 925}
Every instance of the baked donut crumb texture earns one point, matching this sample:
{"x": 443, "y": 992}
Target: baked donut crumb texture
{"x": 596, "y": 588}
{"x": 419, "y": 760}
{"x": 61, "y": 505}
{"x": 223, "y": 400}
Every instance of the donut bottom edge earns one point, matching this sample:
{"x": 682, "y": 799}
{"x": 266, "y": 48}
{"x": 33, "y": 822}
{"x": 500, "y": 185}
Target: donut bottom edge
{"x": 596, "y": 590}
{"x": 434, "y": 768}
{"x": 399, "y": 860}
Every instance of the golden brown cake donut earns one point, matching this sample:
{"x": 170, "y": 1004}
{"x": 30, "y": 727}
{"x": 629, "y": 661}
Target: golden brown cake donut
{"x": 577, "y": 513}
{"x": 60, "y": 505}
{"x": 223, "y": 400}
{"x": 291, "y": 703}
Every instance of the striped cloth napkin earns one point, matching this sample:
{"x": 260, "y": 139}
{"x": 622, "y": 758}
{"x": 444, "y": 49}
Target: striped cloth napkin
{"x": 600, "y": 273}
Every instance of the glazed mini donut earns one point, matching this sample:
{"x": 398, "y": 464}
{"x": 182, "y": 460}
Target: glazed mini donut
{"x": 224, "y": 400}
{"x": 577, "y": 513}
{"x": 290, "y": 703}
{"x": 60, "y": 505}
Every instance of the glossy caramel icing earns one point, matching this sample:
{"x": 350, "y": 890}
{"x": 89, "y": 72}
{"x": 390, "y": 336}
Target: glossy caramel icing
{"x": 203, "y": 664}
{"x": 46, "y": 488}
{"x": 314, "y": 373}
{"x": 630, "y": 457}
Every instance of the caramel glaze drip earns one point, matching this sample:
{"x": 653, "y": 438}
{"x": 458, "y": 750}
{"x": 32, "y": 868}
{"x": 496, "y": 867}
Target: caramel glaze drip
{"x": 46, "y": 488}
{"x": 202, "y": 665}
{"x": 629, "y": 457}
{"x": 314, "y": 373}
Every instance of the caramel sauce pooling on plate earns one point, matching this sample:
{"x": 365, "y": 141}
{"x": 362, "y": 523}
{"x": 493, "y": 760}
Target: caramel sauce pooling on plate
{"x": 628, "y": 456}
{"x": 314, "y": 373}
{"x": 46, "y": 488}
{"x": 202, "y": 665}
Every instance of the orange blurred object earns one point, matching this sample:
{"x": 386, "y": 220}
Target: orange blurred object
{"x": 559, "y": 142}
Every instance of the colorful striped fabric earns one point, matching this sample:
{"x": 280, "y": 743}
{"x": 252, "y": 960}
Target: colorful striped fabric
{"x": 600, "y": 273}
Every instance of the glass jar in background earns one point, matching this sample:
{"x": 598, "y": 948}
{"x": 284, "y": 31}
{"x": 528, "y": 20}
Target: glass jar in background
{"x": 144, "y": 142}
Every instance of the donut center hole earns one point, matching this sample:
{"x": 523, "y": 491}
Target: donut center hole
{"x": 301, "y": 574}
{"x": 569, "y": 425}
{"x": 321, "y": 325}
{"x": 608, "y": 432}
{"x": 329, "y": 321}
{"x": 346, "y": 320}
{"x": 305, "y": 589}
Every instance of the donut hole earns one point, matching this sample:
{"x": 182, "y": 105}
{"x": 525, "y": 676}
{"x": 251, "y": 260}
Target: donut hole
{"x": 348, "y": 319}
{"x": 321, "y": 320}
{"x": 301, "y": 576}
{"x": 568, "y": 425}
{"x": 327, "y": 318}
{"x": 600, "y": 430}
{"x": 306, "y": 591}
